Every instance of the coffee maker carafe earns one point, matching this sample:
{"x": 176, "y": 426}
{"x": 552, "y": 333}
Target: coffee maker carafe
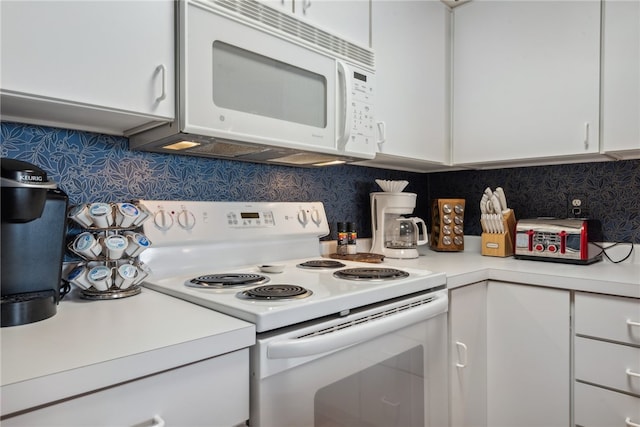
{"x": 394, "y": 234}
{"x": 32, "y": 244}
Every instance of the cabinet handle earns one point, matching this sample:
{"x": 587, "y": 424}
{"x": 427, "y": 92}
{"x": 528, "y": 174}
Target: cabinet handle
{"x": 586, "y": 136}
{"x": 463, "y": 347}
{"x": 628, "y": 422}
{"x": 157, "y": 421}
{"x": 632, "y": 323}
{"x": 163, "y": 73}
{"x": 382, "y": 131}
{"x": 632, "y": 374}
{"x": 306, "y": 4}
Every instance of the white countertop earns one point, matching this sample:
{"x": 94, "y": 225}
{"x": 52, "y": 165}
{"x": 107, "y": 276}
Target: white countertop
{"x": 469, "y": 266}
{"x": 92, "y": 344}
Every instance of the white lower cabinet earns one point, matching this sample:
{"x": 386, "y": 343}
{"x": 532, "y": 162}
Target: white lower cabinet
{"x": 513, "y": 342}
{"x": 212, "y": 392}
{"x": 468, "y": 349}
{"x": 607, "y": 360}
{"x": 528, "y": 356}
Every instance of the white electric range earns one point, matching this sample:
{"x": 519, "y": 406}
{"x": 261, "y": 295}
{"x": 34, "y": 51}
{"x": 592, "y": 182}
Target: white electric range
{"x": 326, "y": 320}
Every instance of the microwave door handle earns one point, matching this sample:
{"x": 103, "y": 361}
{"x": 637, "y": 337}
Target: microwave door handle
{"x": 354, "y": 334}
{"x": 347, "y": 107}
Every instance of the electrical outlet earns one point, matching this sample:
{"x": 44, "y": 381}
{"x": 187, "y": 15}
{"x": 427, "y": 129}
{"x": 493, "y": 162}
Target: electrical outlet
{"x": 577, "y": 206}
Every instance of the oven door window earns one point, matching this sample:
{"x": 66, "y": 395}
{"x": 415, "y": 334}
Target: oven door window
{"x": 251, "y": 83}
{"x": 388, "y": 393}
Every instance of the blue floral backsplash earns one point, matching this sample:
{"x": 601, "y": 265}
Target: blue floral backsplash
{"x": 94, "y": 167}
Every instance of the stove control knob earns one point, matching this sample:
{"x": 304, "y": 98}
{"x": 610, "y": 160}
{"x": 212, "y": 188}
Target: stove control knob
{"x": 315, "y": 217}
{"x": 186, "y": 219}
{"x": 302, "y": 217}
{"x": 163, "y": 219}
{"x": 539, "y": 247}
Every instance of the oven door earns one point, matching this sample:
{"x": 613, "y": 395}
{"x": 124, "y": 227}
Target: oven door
{"x": 381, "y": 366}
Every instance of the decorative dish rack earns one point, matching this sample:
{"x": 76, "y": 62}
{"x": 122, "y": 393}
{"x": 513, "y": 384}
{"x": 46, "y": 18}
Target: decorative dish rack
{"x": 109, "y": 246}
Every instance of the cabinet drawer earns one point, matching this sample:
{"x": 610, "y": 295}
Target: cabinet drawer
{"x": 598, "y": 407}
{"x": 211, "y": 392}
{"x": 606, "y": 364}
{"x": 607, "y": 317}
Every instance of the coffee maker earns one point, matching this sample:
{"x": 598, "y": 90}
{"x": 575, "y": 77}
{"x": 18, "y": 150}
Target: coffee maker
{"x": 32, "y": 244}
{"x": 394, "y": 234}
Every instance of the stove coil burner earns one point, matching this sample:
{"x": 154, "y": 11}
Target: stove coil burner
{"x": 321, "y": 263}
{"x": 220, "y": 281}
{"x": 373, "y": 273}
{"x": 275, "y": 292}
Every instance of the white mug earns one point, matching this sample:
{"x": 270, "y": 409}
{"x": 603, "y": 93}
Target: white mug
{"x": 137, "y": 243}
{"x": 80, "y": 214}
{"x": 115, "y": 246}
{"x": 126, "y": 214}
{"x": 87, "y": 245}
{"x": 102, "y": 214}
{"x": 143, "y": 271}
{"x": 78, "y": 276}
{"x": 100, "y": 277}
{"x": 126, "y": 275}
{"x": 144, "y": 213}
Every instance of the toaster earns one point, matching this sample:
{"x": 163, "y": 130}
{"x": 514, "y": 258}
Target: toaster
{"x": 559, "y": 240}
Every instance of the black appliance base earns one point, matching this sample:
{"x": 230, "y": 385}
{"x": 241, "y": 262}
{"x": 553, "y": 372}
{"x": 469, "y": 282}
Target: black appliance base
{"x": 20, "y": 309}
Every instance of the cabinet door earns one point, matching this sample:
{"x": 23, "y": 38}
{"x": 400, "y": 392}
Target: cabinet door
{"x": 528, "y": 360}
{"x": 347, "y": 18}
{"x": 102, "y": 65}
{"x": 621, "y": 78}
{"x": 468, "y": 349}
{"x": 211, "y": 392}
{"x": 411, "y": 42}
{"x": 599, "y": 407}
{"x": 525, "y": 80}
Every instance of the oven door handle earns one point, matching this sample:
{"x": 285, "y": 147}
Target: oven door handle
{"x": 356, "y": 333}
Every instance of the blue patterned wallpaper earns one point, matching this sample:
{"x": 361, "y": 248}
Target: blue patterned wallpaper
{"x": 611, "y": 190}
{"x": 95, "y": 167}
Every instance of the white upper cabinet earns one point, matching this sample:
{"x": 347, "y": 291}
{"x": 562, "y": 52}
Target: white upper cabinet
{"x": 348, "y": 19}
{"x": 526, "y": 82}
{"x": 621, "y": 78}
{"x": 411, "y": 43}
{"x": 104, "y": 66}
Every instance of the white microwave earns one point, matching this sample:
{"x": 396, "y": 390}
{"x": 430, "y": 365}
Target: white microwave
{"x": 258, "y": 84}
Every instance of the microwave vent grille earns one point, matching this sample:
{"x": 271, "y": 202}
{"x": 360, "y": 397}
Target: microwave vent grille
{"x": 283, "y": 22}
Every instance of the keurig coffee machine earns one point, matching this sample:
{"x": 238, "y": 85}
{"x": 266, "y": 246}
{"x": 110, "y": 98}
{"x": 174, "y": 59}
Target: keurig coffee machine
{"x": 33, "y": 234}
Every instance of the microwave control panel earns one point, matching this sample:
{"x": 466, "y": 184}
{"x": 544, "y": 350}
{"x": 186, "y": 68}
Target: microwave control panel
{"x": 362, "y": 116}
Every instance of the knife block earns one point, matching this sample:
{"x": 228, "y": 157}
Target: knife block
{"x": 501, "y": 244}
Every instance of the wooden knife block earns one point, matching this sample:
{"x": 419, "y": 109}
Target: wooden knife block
{"x": 501, "y": 244}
